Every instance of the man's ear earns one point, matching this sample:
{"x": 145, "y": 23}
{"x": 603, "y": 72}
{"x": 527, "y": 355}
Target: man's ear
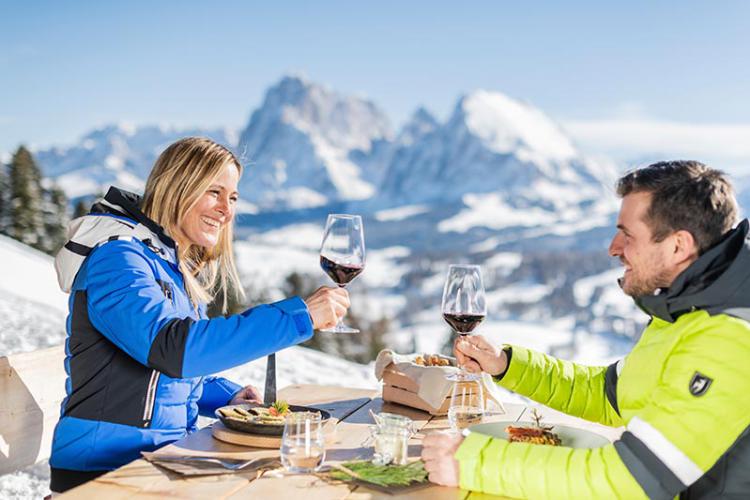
{"x": 685, "y": 247}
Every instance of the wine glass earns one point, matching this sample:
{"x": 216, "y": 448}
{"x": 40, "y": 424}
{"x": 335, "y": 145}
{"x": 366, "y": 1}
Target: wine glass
{"x": 302, "y": 443}
{"x": 464, "y": 306}
{"x": 467, "y": 404}
{"x": 342, "y": 254}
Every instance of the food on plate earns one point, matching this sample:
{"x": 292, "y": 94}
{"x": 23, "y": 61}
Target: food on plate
{"x": 279, "y": 409}
{"x": 432, "y": 360}
{"x": 538, "y": 434}
{"x": 273, "y": 415}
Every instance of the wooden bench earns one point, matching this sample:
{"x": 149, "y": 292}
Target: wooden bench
{"x": 32, "y": 386}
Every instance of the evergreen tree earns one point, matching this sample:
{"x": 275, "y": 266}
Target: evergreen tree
{"x": 26, "y": 224}
{"x": 55, "y": 215}
{"x": 81, "y": 209}
{"x": 4, "y": 200}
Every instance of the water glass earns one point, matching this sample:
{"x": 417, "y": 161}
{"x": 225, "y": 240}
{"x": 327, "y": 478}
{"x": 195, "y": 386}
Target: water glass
{"x": 303, "y": 442}
{"x": 467, "y": 404}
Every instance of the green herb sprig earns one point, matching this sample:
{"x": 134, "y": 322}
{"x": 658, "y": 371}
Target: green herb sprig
{"x": 382, "y": 475}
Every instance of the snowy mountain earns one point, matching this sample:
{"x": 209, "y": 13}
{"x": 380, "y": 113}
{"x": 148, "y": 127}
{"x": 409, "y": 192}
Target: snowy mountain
{"x": 494, "y": 145}
{"x": 498, "y": 177}
{"x": 120, "y": 155}
{"x": 302, "y": 147}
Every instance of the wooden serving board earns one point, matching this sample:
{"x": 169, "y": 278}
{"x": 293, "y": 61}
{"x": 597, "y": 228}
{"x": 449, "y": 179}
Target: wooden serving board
{"x": 223, "y": 433}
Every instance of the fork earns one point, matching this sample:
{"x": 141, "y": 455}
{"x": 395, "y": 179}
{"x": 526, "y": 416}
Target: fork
{"x": 227, "y": 463}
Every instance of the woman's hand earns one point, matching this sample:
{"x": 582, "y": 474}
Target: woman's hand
{"x": 438, "y": 449}
{"x": 476, "y": 354}
{"x": 248, "y": 394}
{"x": 326, "y": 306}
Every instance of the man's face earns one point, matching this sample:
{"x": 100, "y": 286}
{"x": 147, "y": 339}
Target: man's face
{"x": 647, "y": 263}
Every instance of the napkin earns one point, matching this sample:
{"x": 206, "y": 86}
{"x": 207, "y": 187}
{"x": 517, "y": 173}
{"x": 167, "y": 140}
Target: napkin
{"x": 433, "y": 385}
{"x": 188, "y": 467}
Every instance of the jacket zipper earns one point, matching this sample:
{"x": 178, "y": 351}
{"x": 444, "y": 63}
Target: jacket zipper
{"x": 148, "y": 411}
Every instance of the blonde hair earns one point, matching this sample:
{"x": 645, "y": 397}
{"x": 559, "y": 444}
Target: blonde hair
{"x": 181, "y": 175}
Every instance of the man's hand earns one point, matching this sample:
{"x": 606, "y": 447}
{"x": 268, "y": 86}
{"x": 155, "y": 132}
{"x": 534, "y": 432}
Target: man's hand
{"x": 248, "y": 394}
{"x": 326, "y": 306}
{"x": 476, "y": 354}
{"x": 438, "y": 449}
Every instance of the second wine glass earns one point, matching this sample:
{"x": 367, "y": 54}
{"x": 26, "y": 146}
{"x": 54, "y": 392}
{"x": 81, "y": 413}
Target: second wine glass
{"x": 464, "y": 305}
{"x": 342, "y": 254}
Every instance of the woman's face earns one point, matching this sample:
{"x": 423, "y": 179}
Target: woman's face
{"x": 203, "y": 223}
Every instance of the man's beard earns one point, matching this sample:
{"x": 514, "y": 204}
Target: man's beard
{"x": 638, "y": 286}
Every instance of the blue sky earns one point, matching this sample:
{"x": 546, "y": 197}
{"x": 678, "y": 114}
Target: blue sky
{"x": 67, "y": 67}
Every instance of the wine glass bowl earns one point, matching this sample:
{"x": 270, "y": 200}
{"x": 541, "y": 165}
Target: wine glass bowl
{"x": 464, "y": 306}
{"x": 342, "y": 254}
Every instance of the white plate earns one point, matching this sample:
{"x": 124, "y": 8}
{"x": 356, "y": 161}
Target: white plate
{"x": 570, "y": 436}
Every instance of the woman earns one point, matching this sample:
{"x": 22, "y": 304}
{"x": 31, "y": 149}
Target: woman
{"x": 140, "y": 350}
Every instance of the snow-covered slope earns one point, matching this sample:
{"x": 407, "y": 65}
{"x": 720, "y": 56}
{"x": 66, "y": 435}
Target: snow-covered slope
{"x": 301, "y": 146}
{"x": 32, "y": 307}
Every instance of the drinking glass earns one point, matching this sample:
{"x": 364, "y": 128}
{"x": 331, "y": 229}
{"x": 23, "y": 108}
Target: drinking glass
{"x": 467, "y": 404}
{"x": 464, "y": 304}
{"x": 303, "y": 442}
{"x": 391, "y": 445}
{"x": 342, "y": 254}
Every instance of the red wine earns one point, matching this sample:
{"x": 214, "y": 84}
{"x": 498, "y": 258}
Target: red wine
{"x": 340, "y": 273}
{"x": 463, "y": 323}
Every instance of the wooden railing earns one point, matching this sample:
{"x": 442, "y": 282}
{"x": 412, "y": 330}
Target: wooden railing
{"x": 32, "y": 386}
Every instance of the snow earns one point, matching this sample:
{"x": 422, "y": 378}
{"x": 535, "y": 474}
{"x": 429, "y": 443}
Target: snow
{"x": 400, "y": 213}
{"x": 522, "y": 292}
{"x": 382, "y": 270}
{"x": 610, "y": 299}
{"x": 29, "y": 274}
{"x": 491, "y": 210}
{"x": 508, "y": 261}
{"x": 506, "y": 124}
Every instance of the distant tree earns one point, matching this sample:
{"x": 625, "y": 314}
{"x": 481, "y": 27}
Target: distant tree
{"x": 27, "y": 222}
{"x": 234, "y": 303}
{"x": 81, "y": 208}
{"x": 4, "y": 200}
{"x": 56, "y": 218}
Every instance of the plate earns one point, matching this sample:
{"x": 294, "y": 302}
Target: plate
{"x": 570, "y": 436}
{"x": 264, "y": 429}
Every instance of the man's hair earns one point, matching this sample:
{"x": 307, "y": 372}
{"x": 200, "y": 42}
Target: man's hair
{"x": 685, "y": 195}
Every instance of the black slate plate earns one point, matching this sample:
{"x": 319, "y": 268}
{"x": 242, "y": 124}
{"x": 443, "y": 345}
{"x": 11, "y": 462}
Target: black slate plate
{"x": 264, "y": 429}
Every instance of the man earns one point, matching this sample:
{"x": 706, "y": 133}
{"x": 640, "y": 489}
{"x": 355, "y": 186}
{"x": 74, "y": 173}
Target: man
{"x": 682, "y": 393}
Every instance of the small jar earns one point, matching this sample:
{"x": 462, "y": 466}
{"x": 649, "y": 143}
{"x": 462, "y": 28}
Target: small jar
{"x": 391, "y": 445}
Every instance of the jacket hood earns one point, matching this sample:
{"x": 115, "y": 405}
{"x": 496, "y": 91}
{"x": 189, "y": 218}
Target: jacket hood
{"x": 717, "y": 282}
{"x": 117, "y": 216}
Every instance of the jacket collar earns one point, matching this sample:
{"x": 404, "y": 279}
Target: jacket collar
{"x": 129, "y": 206}
{"x": 716, "y": 282}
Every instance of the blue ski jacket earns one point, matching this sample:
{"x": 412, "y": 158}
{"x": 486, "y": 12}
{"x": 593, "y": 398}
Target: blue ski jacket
{"x": 139, "y": 356}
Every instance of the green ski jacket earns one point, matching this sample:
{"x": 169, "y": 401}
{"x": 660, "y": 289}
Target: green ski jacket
{"x": 682, "y": 394}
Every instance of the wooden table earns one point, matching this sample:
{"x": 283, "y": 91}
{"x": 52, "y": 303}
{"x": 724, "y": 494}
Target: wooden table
{"x": 141, "y": 479}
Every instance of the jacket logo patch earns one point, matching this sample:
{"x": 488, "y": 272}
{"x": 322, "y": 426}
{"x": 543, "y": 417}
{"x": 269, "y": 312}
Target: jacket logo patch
{"x": 699, "y": 384}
